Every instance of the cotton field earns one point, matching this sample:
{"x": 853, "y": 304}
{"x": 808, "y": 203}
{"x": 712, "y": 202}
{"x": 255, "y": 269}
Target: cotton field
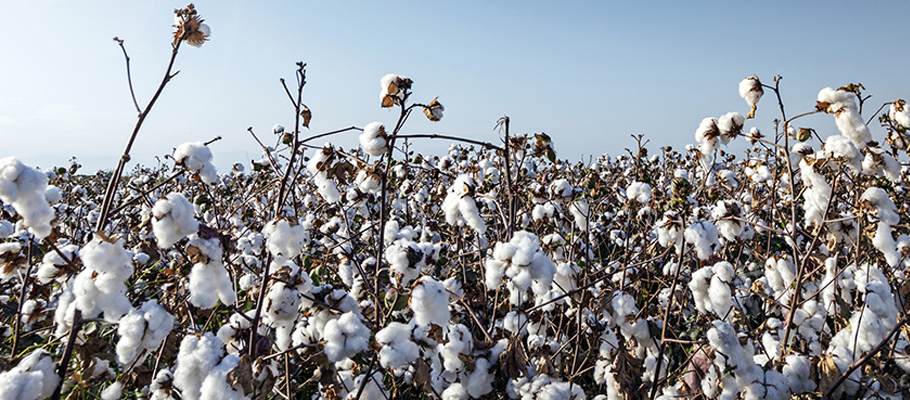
{"x": 493, "y": 271}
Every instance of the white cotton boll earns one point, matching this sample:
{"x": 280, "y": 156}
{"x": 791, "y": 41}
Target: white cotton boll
{"x": 24, "y": 187}
{"x": 750, "y": 89}
{"x": 888, "y": 217}
{"x": 373, "y": 140}
{"x": 112, "y": 392}
{"x": 216, "y": 387}
{"x": 278, "y": 129}
{"x": 703, "y": 235}
{"x": 209, "y": 281}
{"x": 345, "y": 337}
{"x": 196, "y": 157}
{"x": 101, "y": 287}
{"x": 32, "y": 379}
{"x": 6, "y": 229}
{"x": 560, "y": 189}
{"x": 796, "y": 370}
{"x": 430, "y": 302}
{"x": 455, "y": 391}
{"x": 698, "y": 285}
{"x": 373, "y": 390}
{"x": 729, "y": 125}
{"x": 283, "y": 240}
{"x": 639, "y": 191}
{"x": 459, "y": 205}
{"x": 406, "y": 260}
{"x": 197, "y": 357}
{"x": 579, "y": 210}
{"x": 706, "y": 135}
{"x": 172, "y": 220}
{"x": 839, "y": 146}
{"x": 398, "y": 350}
{"x": 850, "y": 123}
{"x": 900, "y": 113}
{"x": 52, "y": 194}
{"x": 325, "y": 185}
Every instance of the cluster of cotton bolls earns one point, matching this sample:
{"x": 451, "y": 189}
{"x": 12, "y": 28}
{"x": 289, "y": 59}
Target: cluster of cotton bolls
{"x": 471, "y": 274}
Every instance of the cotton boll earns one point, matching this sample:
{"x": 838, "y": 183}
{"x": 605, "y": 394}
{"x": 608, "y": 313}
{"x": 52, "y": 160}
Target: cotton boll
{"x": 196, "y": 157}
{"x": 209, "y": 281}
{"x": 112, "y": 392}
{"x": 318, "y": 167}
{"x": 216, "y": 387}
{"x": 373, "y": 140}
{"x": 460, "y": 207}
{"x": 750, "y": 89}
{"x": 398, "y": 350}
{"x": 283, "y": 240}
{"x": 703, "y": 235}
{"x": 24, "y": 188}
{"x": 345, "y": 337}
{"x": 101, "y": 287}
{"x": 639, "y": 191}
{"x": 730, "y": 125}
{"x": 172, "y": 220}
{"x": 430, "y": 302}
{"x": 197, "y": 357}
{"x": 32, "y": 379}
{"x": 142, "y": 329}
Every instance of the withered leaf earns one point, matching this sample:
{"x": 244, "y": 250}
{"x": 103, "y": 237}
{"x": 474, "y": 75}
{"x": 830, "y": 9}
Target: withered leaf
{"x": 422, "y": 376}
{"x": 196, "y": 255}
{"x": 825, "y": 372}
{"x": 514, "y": 360}
{"x": 242, "y": 375}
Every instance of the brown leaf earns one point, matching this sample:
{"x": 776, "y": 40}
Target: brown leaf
{"x": 628, "y": 371}
{"x": 514, "y": 360}
{"x": 825, "y": 372}
{"x": 307, "y": 116}
{"x": 196, "y": 255}
{"x": 422, "y": 376}
{"x": 242, "y": 375}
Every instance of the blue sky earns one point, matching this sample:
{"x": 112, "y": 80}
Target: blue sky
{"x": 589, "y": 74}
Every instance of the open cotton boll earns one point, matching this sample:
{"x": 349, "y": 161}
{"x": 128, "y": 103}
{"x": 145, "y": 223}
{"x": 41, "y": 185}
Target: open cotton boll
{"x": 703, "y": 235}
{"x": 197, "y": 357}
{"x": 172, "y": 220}
{"x": 579, "y": 210}
{"x": 374, "y": 140}
{"x": 430, "y": 302}
{"x": 52, "y": 194}
{"x": 112, "y": 392}
{"x": 209, "y": 281}
{"x": 750, "y": 89}
{"x": 524, "y": 265}
{"x": 730, "y": 125}
{"x": 398, "y": 350}
{"x": 887, "y": 217}
{"x": 639, "y": 191}
{"x": 373, "y": 390}
{"x": 51, "y": 267}
{"x": 216, "y": 387}
{"x": 317, "y": 167}
{"x": 406, "y": 260}
{"x": 196, "y": 157}
{"x": 843, "y": 105}
{"x": 23, "y": 187}
{"x": 142, "y": 329}
{"x": 32, "y": 379}
{"x": 899, "y": 112}
{"x": 345, "y": 336}
{"x": 392, "y": 89}
{"x": 839, "y": 146}
{"x": 460, "y": 207}
{"x": 101, "y": 286}
{"x": 283, "y": 240}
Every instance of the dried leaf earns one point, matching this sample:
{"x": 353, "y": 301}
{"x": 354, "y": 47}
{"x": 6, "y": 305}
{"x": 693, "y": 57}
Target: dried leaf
{"x": 242, "y": 375}
{"x": 196, "y": 255}
{"x": 307, "y": 116}
{"x": 514, "y": 360}
{"x": 825, "y": 372}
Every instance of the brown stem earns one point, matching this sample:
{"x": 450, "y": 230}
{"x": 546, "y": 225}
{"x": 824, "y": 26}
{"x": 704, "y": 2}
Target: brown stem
{"x": 118, "y": 172}
{"x": 68, "y": 352}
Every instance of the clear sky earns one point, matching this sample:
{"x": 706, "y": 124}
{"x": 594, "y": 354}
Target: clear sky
{"x": 589, "y": 74}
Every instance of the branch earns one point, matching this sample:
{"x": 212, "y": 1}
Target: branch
{"x": 129, "y": 78}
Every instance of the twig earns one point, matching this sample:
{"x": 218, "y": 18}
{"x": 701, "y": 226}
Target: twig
{"x": 129, "y": 77}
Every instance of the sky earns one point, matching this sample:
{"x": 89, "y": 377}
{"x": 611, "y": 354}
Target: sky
{"x": 589, "y": 73}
